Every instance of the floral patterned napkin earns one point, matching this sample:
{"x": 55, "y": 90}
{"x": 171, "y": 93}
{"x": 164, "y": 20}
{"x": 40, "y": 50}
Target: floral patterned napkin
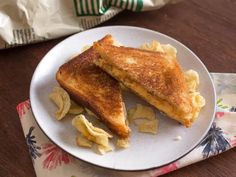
{"x": 50, "y": 160}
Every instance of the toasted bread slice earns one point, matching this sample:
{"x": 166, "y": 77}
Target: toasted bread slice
{"x": 156, "y": 77}
{"x": 90, "y": 86}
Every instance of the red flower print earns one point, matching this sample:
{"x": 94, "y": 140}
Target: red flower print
{"x": 164, "y": 170}
{"x": 54, "y": 156}
{"x": 219, "y": 114}
{"x": 22, "y": 106}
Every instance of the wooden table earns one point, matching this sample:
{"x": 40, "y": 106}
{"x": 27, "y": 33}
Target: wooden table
{"x": 207, "y": 27}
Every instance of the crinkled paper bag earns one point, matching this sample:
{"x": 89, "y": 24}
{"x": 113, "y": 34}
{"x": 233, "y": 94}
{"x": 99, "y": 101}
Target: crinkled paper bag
{"x": 30, "y": 21}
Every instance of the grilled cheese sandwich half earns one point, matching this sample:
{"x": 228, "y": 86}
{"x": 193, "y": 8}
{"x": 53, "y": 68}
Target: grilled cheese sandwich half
{"x": 155, "y": 76}
{"x": 90, "y": 86}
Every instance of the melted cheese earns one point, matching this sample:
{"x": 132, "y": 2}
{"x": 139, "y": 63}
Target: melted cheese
{"x": 155, "y": 101}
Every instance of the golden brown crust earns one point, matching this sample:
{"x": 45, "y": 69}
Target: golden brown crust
{"x": 90, "y": 86}
{"x": 160, "y": 75}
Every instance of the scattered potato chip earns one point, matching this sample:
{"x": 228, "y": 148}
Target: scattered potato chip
{"x": 86, "y": 47}
{"x": 148, "y": 127}
{"x": 82, "y": 141}
{"x": 122, "y": 143}
{"x": 158, "y": 47}
{"x": 144, "y": 118}
{"x": 103, "y": 149}
{"x": 197, "y": 100}
{"x": 75, "y": 108}
{"x": 90, "y": 132}
{"x": 99, "y": 130}
{"x": 192, "y": 79}
{"x": 61, "y": 98}
{"x": 153, "y": 46}
{"x": 131, "y": 114}
{"x": 141, "y": 111}
{"x": 90, "y": 113}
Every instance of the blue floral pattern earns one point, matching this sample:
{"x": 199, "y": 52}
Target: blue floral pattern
{"x": 214, "y": 142}
{"x": 233, "y": 109}
{"x": 31, "y": 143}
{"x": 221, "y": 137}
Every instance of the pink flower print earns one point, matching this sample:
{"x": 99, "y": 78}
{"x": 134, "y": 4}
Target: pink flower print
{"x": 164, "y": 170}
{"x": 22, "y": 106}
{"x": 54, "y": 156}
{"x": 233, "y": 141}
{"x": 220, "y": 114}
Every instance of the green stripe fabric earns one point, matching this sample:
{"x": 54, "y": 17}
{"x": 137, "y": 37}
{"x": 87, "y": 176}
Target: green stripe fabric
{"x": 127, "y": 4}
{"x": 98, "y": 7}
{"x": 84, "y": 7}
{"x": 115, "y": 3}
{"x": 103, "y": 6}
{"x": 139, "y": 5}
{"x": 93, "y": 8}
{"x": 132, "y": 5}
{"x": 76, "y": 7}
{"x": 81, "y": 6}
{"x": 87, "y": 7}
{"x": 121, "y": 3}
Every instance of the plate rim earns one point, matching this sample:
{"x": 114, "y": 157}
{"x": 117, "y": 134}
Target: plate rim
{"x": 124, "y": 27}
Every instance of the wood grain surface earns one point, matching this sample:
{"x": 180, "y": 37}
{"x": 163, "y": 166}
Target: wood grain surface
{"x": 207, "y": 27}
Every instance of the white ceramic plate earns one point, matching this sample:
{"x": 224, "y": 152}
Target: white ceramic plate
{"x": 146, "y": 151}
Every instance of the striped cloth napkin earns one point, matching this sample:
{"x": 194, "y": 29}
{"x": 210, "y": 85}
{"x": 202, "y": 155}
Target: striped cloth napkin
{"x": 50, "y": 160}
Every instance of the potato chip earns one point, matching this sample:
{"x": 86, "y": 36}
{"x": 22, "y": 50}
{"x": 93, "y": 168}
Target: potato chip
{"x": 192, "y": 79}
{"x": 90, "y": 132}
{"x": 169, "y": 49}
{"x": 148, "y": 126}
{"x": 197, "y": 100}
{"x": 61, "y": 98}
{"x": 162, "y": 48}
{"x": 83, "y": 142}
{"x": 131, "y": 114}
{"x": 153, "y": 46}
{"x": 75, "y": 108}
{"x": 90, "y": 113}
{"x": 122, "y": 143}
{"x": 144, "y": 117}
{"x": 103, "y": 149}
{"x": 86, "y": 47}
{"x": 141, "y": 112}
